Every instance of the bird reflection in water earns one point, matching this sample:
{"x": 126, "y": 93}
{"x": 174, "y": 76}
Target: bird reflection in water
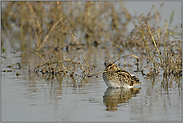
{"x": 114, "y": 96}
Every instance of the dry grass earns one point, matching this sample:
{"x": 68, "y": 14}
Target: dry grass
{"x": 157, "y": 44}
{"x": 50, "y": 29}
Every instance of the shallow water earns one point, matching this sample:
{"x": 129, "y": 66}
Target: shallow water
{"x": 32, "y": 97}
{"x": 37, "y": 97}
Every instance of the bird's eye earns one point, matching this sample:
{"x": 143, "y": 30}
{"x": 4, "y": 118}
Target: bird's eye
{"x": 110, "y": 68}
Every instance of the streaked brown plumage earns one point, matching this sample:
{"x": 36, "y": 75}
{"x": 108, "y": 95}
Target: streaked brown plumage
{"x": 117, "y": 77}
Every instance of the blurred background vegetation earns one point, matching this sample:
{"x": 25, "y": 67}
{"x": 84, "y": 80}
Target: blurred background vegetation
{"x": 52, "y": 29}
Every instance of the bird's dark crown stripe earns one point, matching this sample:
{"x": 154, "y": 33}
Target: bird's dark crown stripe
{"x": 109, "y": 65}
{"x": 123, "y": 71}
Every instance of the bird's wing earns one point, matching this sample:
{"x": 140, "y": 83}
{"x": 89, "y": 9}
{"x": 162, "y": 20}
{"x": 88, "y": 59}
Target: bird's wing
{"x": 128, "y": 78}
{"x": 125, "y": 76}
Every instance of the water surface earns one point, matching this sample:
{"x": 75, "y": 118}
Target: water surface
{"x": 37, "y": 97}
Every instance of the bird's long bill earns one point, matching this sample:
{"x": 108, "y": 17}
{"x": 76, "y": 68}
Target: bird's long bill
{"x": 137, "y": 83}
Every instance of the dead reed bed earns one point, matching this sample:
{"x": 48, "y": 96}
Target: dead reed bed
{"x": 163, "y": 47}
{"x": 50, "y": 30}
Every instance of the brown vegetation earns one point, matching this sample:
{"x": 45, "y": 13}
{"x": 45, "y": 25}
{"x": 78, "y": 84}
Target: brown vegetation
{"x": 50, "y": 30}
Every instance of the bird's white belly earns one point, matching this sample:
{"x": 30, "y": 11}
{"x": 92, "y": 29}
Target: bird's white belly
{"x": 112, "y": 84}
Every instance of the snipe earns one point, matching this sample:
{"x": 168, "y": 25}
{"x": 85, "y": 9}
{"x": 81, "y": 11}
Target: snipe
{"x": 116, "y": 77}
